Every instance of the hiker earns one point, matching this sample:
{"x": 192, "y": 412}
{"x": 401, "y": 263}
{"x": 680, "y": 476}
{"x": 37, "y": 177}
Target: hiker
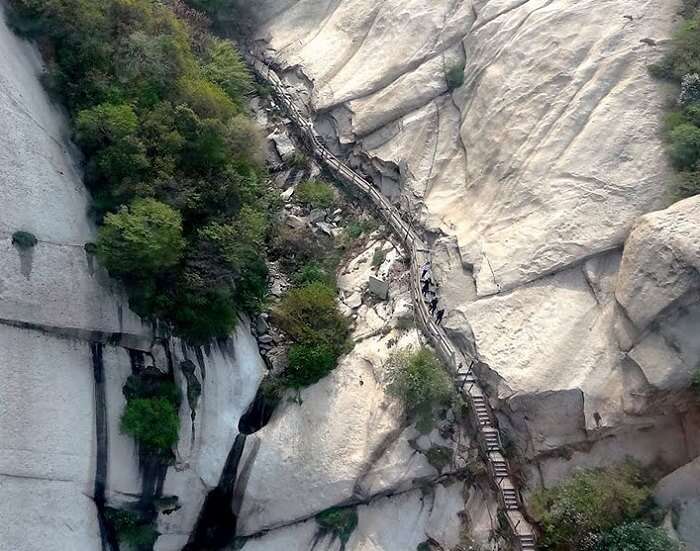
{"x": 439, "y": 316}
{"x": 426, "y": 286}
{"x": 433, "y": 305}
{"x": 426, "y": 269}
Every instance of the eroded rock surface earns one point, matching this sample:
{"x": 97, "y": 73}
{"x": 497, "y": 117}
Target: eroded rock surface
{"x": 533, "y": 175}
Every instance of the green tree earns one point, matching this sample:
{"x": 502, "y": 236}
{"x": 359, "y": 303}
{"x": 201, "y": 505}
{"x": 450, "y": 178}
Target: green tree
{"x": 153, "y": 422}
{"x": 420, "y": 380}
{"x": 223, "y": 66}
{"x": 141, "y": 240}
{"x": 637, "y": 536}
{"x": 105, "y": 124}
{"x": 308, "y": 364}
{"x": 309, "y": 315}
{"x": 315, "y": 194}
{"x": 576, "y": 513}
{"x": 685, "y": 146}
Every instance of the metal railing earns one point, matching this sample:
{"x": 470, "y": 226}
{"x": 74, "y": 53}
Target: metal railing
{"x": 521, "y": 531}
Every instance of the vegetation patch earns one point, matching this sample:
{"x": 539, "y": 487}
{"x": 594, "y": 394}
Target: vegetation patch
{"x": 151, "y": 412}
{"x": 315, "y": 194}
{"x": 341, "y": 522}
{"x": 131, "y": 529}
{"x": 378, "y": 257}
{"x": 24, "y": 240}
{"x": 592, "y": 509}
{"x": 174, "y": 164}
{"x": 439, "y": 457}
{"x": 455, "y": 76}
{"x": 695, "y": 381}
{"x": 310, "y": 317}
{"x": 681, "y": 66}
{"x": 421, "y": 382}
{"x": 637, "y": 536}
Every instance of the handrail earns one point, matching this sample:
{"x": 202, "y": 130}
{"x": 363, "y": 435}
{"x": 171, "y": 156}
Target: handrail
{"x": 522, "y": 532}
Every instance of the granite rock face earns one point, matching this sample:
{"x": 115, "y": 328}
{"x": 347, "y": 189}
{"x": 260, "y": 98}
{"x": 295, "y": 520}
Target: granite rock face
{"x": 63, "y": 321}
{"x": 536, "y": 177}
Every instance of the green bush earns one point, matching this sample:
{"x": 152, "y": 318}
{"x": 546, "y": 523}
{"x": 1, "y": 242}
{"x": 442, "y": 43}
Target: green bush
{"x": 313, "y": 273}
{"x": 299, "y": 161}
{"x": 308, "y": 364}
{"x": 141, "y": 240}
{"x": 309, "y": 315}
{"x": 420, "y": 380}
{"x": 131, "y": 529}
{"x": 695, "y": 381}
{"x": 685, "y": 146}
{"x": 153, "y": 422}
{"x": 439, "y": 457}
{"x": 378, "y": 257}
{"x": 24, "y": 240}
{"x": 576, "y": 513}
{"x": 686, "y": 184}
{"x": 315, "y": 194}
{"x": 357, "y": 228}
{"x": 455, "y": 76}
{"x": 637, "y": 536}
{"x": 341, "y": 522}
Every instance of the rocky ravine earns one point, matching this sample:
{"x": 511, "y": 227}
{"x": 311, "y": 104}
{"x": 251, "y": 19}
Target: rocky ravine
{"x": 533, "y": 178}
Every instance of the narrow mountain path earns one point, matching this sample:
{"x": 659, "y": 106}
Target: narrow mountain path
{"x": 510, "y": 503}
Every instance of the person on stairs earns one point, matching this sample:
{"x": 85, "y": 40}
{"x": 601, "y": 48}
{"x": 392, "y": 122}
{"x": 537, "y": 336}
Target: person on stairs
{"x": 433, "y": 305}
{"x": 440, "y": 314}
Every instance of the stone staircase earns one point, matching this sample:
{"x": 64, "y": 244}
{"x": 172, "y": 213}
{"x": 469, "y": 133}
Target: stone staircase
{"x": 522, "y": 534}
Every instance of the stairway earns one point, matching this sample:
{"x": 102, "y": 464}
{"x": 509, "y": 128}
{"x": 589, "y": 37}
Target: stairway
{"x": 522, "y": 533}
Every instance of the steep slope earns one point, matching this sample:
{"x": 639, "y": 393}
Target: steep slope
{"x": 532, "y": 173}
{"x": 68, "y": 342}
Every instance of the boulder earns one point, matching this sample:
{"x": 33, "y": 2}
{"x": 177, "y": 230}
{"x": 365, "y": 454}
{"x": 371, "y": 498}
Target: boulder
{"x": 378, "y": 287}
{"x": 661, "y": 262}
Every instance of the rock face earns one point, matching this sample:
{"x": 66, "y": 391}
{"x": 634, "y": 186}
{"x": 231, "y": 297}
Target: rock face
{"x": 397, "y": 523}
{"x": 343, "y": 440}
{"x": 67, "y": 342}
{"x": 534, "y": 176}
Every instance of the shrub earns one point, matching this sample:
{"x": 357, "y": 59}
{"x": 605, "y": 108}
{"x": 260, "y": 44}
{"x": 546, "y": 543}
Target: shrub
{"x": 637, "y": 536}
{"x": 141, "y": 240}
{"x": 308, "y": 364}
{"x": 356, "y": 228}
{"x": 686, "y": 184}
{"x": 299, "y": 161}
{"x": 313, "y": 273}
{"x": 153, "y": 422}
{"x": 576, "y": 513}
{"x": 695, "y": 381}
{"x": 420, "y": 380}
{"x": 297, "y": 248}
{"x": 315, "y": 194}
{"x": 439, "y": 457}
{"x": 455, "y": 76}
{"x": 685, "y": 146}
{"x": 24, "y": 240}
{"x": 309, "y": 315}
{"x": 378, "y": 257}
{"x": 131, "y": 529}
{"x": 338, "y": 521}
{"x": 223, "y": 66}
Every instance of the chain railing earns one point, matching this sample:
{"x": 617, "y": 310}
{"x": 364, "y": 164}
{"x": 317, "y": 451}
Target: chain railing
{"x": 521, "y": 531}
